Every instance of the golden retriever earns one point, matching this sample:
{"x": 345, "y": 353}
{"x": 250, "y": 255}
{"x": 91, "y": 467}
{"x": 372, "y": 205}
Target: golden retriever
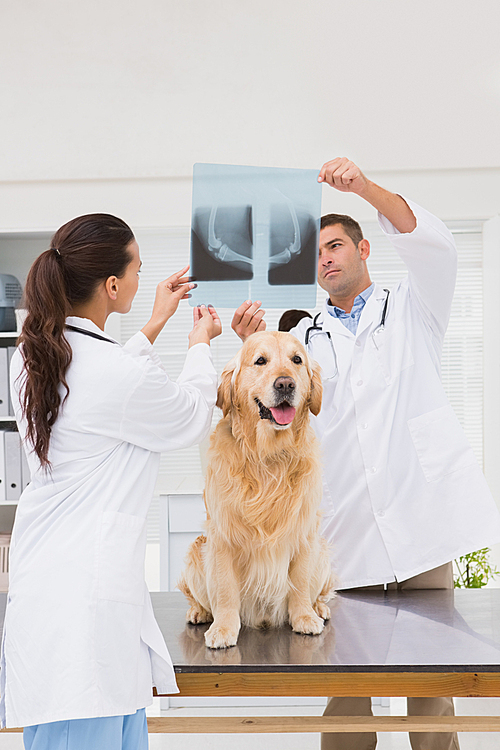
{"x": 262, "y": 562}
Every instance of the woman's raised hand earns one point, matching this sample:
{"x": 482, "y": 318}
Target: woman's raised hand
{"x": 170, "y": 292}
{"x": 206, "y": 325}
{"x": 168, "y": 295}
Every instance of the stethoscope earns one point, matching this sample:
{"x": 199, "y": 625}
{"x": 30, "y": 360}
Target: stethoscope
{"x": 91, "y": 334}
{"x": 316, "y": 328}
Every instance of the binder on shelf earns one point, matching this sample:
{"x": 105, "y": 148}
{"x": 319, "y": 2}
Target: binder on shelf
{"x": 4, "y": 561}
{"x": 3, "y": 478}
{"x": 12, "y": 466}
{"x": 4, "y": 382}
{"x": 25, "y": 469}
{"x": 10, "y": 352}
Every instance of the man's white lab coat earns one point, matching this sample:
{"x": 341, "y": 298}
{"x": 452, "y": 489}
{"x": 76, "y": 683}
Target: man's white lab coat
{"x": 80, "y": 638}
{"x": 403, "y": 492}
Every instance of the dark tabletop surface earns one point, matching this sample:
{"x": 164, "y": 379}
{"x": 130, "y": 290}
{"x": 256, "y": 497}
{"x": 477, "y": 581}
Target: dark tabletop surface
{"x": 417, "y": 631}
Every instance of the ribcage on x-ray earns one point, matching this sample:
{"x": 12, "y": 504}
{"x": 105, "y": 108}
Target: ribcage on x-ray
{"x": 222, "y": 243}
{"x": 293, "y": 243}
{"x": 223, "y": 250}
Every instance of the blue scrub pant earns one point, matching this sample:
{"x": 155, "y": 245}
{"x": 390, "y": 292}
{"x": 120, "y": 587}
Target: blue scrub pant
{"x": 104, "y": 733}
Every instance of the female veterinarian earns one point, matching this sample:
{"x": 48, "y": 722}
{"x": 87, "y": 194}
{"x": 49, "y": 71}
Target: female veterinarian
{"x": 81, "y": 647}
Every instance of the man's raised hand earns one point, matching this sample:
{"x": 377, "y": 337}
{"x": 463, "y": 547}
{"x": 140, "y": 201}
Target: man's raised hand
{"x": 343, "y": 175}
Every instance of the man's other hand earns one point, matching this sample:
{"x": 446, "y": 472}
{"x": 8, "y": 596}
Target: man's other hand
{"x": 248, "y": 319}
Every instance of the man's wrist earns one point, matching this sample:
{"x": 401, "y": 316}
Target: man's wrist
{"x": 369, "y": 191}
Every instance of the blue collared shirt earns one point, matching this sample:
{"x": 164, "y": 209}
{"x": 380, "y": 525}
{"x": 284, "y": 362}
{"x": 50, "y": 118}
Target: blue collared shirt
{"x": 351, "y": 320}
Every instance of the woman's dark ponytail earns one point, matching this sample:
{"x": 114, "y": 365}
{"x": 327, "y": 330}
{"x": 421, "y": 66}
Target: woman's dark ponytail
{"x": 84, "y": 252}
{"x": 46, "y": 351}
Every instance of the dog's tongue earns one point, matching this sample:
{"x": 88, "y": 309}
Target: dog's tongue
{"x": 282, "y": 414}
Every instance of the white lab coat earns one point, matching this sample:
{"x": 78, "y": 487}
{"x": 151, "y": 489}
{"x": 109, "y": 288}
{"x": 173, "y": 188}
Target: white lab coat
{"x": 403, "y": 492}
{"x": 80, "y": 638}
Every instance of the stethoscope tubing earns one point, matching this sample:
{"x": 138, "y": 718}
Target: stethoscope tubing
{"x": 91, "y": 334}
{"x": 316, "y": 327}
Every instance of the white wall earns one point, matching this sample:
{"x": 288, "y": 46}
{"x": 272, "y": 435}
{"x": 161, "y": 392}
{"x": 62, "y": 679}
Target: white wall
{"x": 45, "y": 205}
{"x": 122, "y": 88}
{"x": 105, "y": 105}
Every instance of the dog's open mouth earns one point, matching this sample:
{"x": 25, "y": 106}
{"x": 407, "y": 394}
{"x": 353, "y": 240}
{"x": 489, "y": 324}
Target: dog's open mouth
{"x": 282, "y": 414}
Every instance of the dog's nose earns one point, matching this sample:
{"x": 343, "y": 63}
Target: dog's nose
{"x": 284, "y": 386}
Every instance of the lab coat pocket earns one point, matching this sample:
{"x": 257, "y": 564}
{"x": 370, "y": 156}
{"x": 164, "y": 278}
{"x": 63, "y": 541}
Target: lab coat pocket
{"x": 440, "y": 442}
{"x": 392, "y": 350}
{"x": 121, "y": 558}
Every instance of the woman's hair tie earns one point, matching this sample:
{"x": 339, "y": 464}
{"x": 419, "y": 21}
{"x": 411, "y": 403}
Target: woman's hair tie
{"x": 56, "y": 251}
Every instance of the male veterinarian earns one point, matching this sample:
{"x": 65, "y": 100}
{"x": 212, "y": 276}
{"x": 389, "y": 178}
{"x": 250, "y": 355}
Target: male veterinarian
{"x": 403, "y": 493}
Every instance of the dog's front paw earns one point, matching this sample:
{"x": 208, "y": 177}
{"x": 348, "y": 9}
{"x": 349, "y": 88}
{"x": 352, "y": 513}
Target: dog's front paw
{"x": 221, "y": 636}
{"x": 309, "y": 624}
{"x": 322, "y": 610}
{"x": 196, "y": 615}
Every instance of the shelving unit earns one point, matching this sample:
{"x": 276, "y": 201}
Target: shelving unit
{"x": 18, "y": 250}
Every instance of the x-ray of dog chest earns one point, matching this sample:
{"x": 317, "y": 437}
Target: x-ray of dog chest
{"x": 257, "y": 227}
{"x": 215, "y": 232}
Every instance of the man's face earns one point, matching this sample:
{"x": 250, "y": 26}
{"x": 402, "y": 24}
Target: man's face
{"x": 342, "y": 270}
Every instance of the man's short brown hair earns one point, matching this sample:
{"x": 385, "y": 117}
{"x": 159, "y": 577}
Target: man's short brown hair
{"x": 349, "y": 225}
{"x": 290, "y": 318}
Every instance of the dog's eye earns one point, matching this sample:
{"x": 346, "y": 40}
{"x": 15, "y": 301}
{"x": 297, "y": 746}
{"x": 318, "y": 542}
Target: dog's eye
{"x": 297, "y": 360}
{"x": 260, "y": 361}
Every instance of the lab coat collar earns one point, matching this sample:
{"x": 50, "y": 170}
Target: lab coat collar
{"x": 372, "y": 309}
{"x": 89, "y": 325}
{"x": 333, "y": 324}
{"x": 369, "y": 312}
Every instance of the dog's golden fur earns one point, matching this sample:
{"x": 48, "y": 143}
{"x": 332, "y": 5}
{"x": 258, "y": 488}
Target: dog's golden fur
{"x": 262, "y": 562}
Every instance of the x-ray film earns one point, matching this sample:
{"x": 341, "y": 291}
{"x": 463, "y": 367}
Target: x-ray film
{"x": 257, "y": 228}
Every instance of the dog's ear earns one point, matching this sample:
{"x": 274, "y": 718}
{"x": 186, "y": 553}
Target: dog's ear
{"x": 316, "y": 393}
{"x": 225, "y": 396}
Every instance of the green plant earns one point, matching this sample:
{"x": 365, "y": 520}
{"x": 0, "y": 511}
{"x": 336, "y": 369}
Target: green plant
{"x": 474, "y": 570}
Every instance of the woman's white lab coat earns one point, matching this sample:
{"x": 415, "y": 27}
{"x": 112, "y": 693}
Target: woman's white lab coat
{"x": 403, "y": 492}
{"x": 80, "y": 638}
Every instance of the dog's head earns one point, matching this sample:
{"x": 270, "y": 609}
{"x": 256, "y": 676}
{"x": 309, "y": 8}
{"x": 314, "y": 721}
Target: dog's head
{"x": 271, "y": 379}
